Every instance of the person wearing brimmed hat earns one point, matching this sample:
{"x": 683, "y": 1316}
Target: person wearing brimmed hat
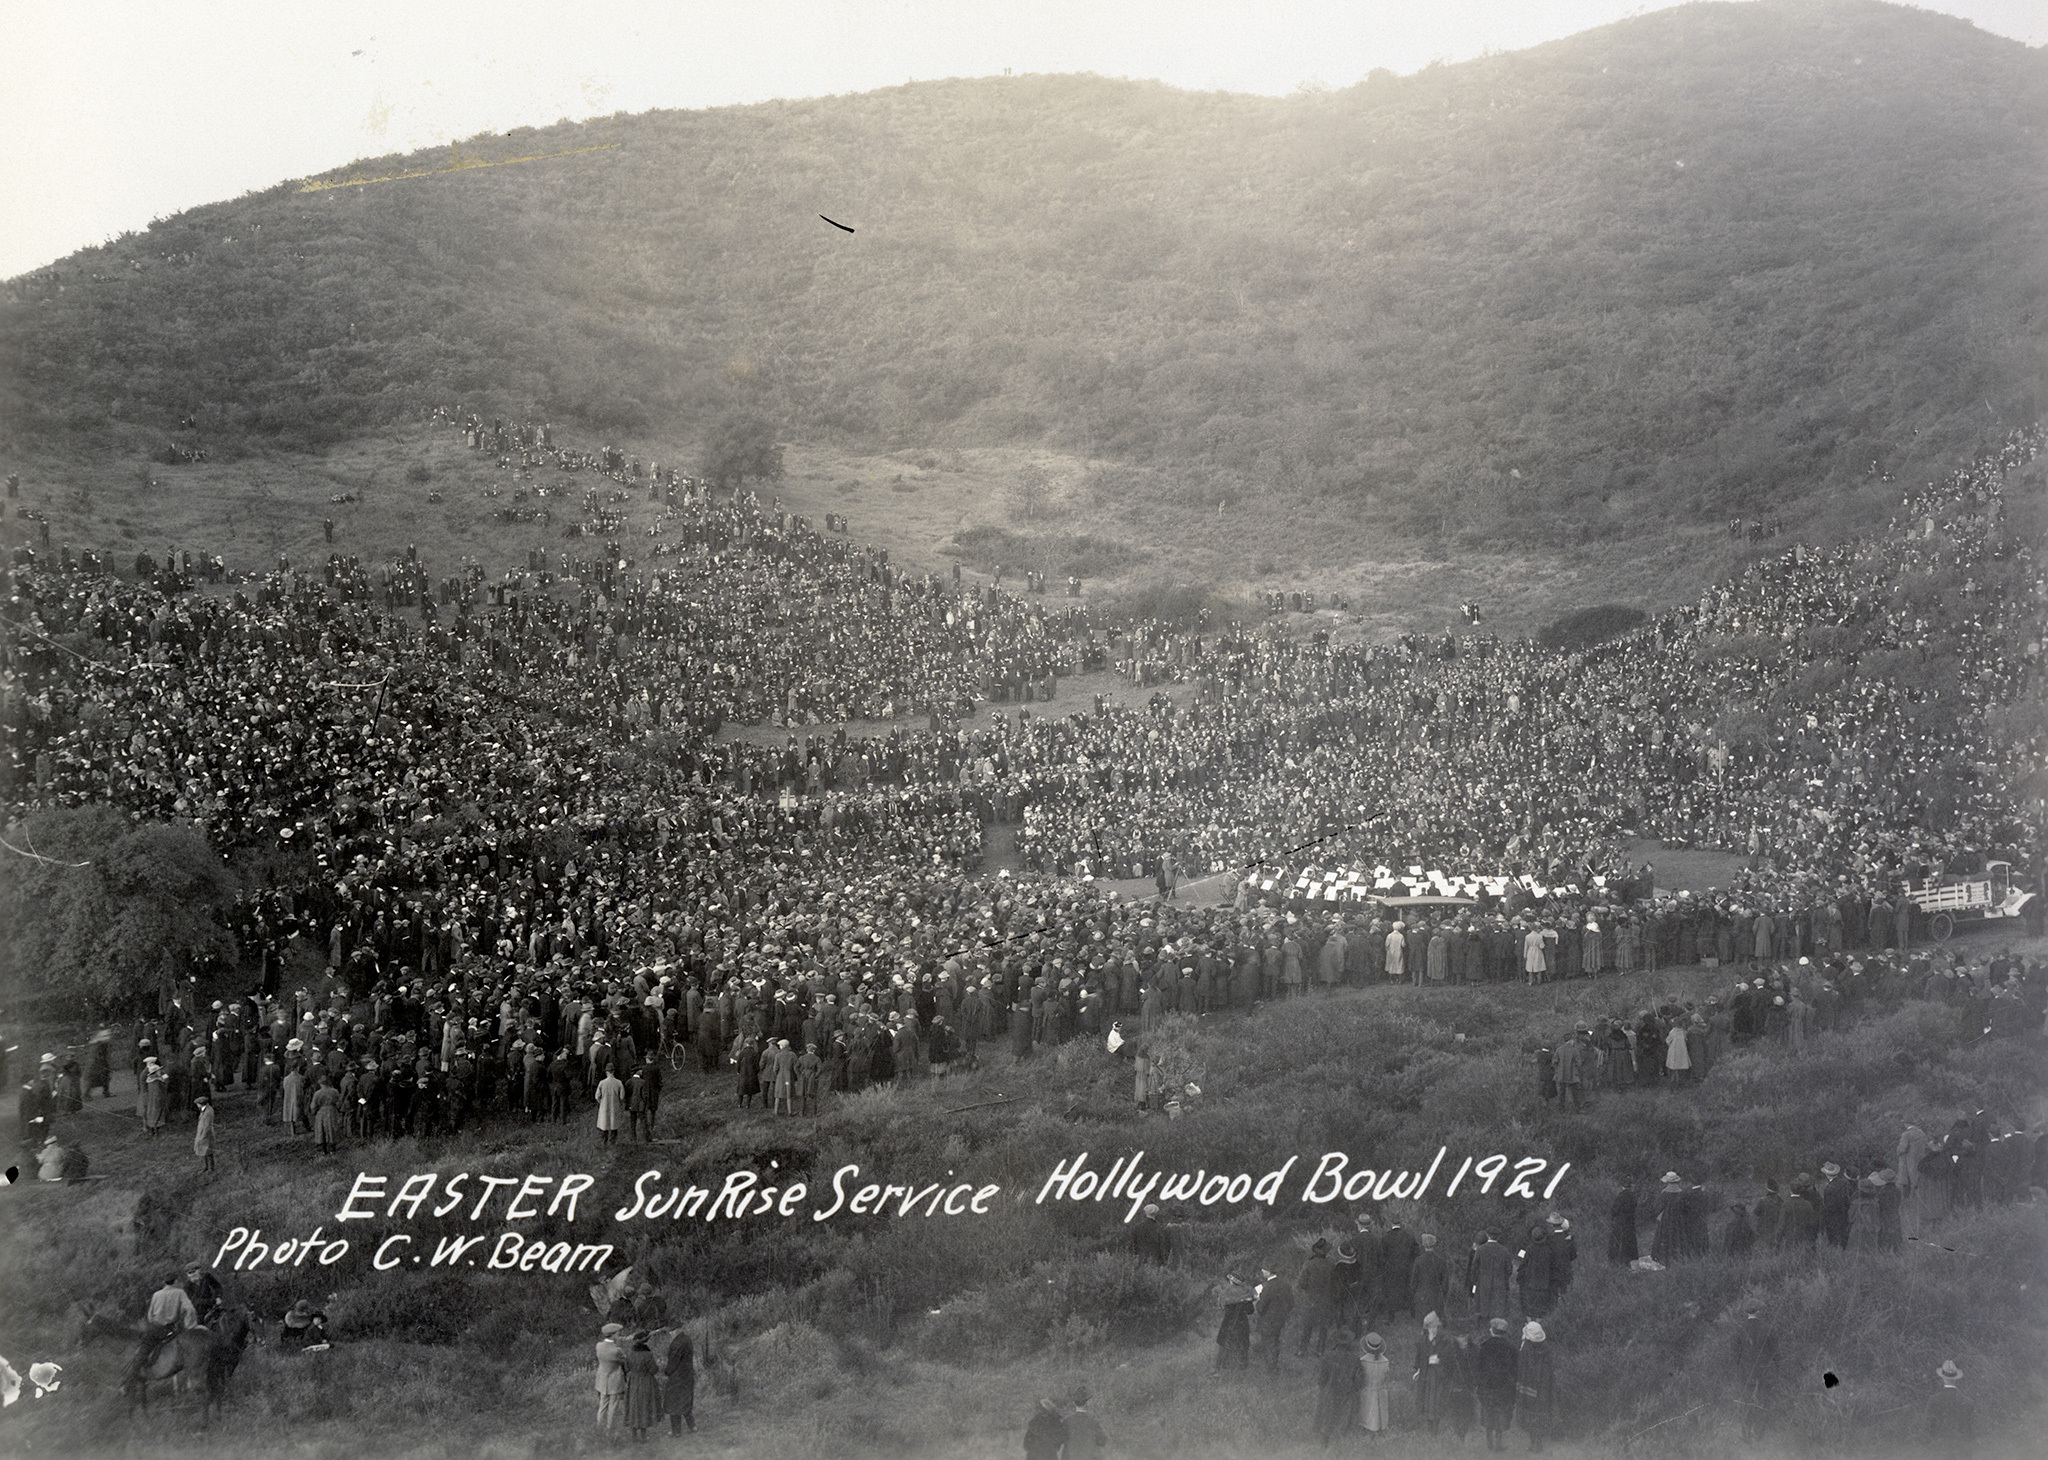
{"x": 1234, "y": 1333}
{"x": 1535, "y": 1386}
{"x": 50, "y": 1159}
{"x": 1493, "y": 1382}
{"x": 1668, "y": 1238}
{"x": 1951, "y": 1423}
{"x": 304, "y": 1326}
{"x": 1274, "y": 1306}
{"x": 156, "y": 1096}
{"x": 293, "y": 1090}
{"x": 643, "y": 1384}
{"x": 611, "y": 1377}
{"x": 1374, "y": 1398}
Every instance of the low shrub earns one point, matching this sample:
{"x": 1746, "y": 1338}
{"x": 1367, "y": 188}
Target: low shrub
{"x": 1589, "y": 626}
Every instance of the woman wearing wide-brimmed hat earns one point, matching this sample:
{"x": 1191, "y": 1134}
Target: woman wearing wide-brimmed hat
{"x": 1374, "y": 1400}
{"x": 1535, "y": 1385}
{"x": 1950, "y": 1424}
{"x": 643, "y": 1385}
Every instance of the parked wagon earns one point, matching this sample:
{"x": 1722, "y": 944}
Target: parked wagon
{"x": 1954, "y": 900}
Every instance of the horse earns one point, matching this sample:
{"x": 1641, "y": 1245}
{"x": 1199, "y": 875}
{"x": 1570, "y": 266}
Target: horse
{"x": 208, "y": 1354}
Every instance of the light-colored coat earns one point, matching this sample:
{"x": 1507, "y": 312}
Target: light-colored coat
{"x": 611, "y": 1103}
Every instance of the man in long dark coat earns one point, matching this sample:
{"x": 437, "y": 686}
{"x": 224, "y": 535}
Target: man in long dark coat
{"x": 1738, "y": 1237}
{"x": 1493, "y": 1382}
{"x": 1366, "y": 1276}
{"x": 1429, "y": 1279}
{"x": 1534, "y": 1272}
{"x": 1318, "y": 1288}
{"x": 1487, "y": 1276}
{"x": 1668, "y": 1242}
{"x": 1802, "y": 1216}
{"x": 1835, "y": 1205}
{"x": 1270, "y": 1314}
{"x": 1535, "y": 1386}
{"x": 1397, "y": 1268}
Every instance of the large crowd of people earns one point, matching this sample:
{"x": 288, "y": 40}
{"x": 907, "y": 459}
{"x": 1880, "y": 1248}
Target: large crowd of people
{"x": 505, "y": 812}
{"x": 517, "y": 866}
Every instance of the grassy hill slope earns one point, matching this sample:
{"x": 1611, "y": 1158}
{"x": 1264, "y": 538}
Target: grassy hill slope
{"x": 1718, "y": 259}
{"x": 887, "y": 1336}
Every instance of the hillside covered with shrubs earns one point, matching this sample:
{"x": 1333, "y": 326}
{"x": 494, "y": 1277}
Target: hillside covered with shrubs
{"x": 1719, "y": 260}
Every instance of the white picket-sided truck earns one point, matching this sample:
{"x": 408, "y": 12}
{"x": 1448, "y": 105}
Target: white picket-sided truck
{"x": 1954, "y": 900}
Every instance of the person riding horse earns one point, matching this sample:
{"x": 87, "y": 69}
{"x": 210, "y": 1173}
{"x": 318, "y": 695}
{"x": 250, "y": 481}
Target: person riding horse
{"x": 170, "y": 1313}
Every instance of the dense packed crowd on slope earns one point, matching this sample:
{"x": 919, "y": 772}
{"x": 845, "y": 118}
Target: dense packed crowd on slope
{"x": 512, "y": 808}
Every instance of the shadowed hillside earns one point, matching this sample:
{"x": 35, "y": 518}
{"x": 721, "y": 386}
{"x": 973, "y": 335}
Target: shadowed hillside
{"x": 1722, "y": 259}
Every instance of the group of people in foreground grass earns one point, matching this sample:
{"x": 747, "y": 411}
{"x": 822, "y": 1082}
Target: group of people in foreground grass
{"x": 1381, "y": 1311}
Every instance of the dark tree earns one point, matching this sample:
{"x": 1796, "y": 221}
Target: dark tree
{"x": 139, "y": 913}
{"x": 740, "y": 447}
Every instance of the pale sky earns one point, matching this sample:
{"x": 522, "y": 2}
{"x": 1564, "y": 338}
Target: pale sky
{"x": 118, "y": 111}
